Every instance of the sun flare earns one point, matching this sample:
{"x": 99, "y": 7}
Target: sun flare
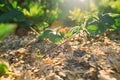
{"x": 82, "y": 0}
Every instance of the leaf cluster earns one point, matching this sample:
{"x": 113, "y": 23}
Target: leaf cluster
{"x": 55, "y": 36}
{"x": 11, "y": 11}
{"x": 102, "y": 23}
{"x": 51, "y": 35}
{"x": 6, "y": 29}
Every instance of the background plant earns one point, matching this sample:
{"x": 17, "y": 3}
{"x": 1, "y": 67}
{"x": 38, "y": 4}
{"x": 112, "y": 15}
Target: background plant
{"x": 102, "y": 23}
{"x": 93, "y": 15}
{"x": 6, "y": 29}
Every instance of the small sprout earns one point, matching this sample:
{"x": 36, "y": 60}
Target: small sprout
{"x": 38, "y": 54}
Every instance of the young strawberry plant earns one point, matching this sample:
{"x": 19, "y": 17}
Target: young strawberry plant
{"x": 102, "y": 23}
{"x": 55, "y": 36}
{"x": 51, "y": 35}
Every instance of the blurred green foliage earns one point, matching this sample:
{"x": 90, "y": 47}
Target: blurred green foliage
{"x": 10, "y": 12}
{"x": 102, "y": 23}
{"x": 6, "y": 29}
{"x": 3, "y": 69}
{"x": 96, "y": 16}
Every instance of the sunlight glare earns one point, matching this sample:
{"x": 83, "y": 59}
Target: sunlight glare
{"x": 82, "y": 0}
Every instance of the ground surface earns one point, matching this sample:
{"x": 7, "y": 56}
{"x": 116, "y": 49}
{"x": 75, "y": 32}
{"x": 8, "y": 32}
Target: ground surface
{"x": 76, "y": 59}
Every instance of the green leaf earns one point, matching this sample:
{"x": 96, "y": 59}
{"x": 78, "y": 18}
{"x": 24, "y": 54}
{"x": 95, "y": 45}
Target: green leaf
{"x": 14, "y": 15}
{"x": 108, "y": 20}
{"x": 44, "y": 35}
{"x": 14, "y": 4}
{"x": 5, "y": 29}
{"x": 51, "y": 35}
{"x": 55, "y": 38}
{"x": 3, "y": 69}
{"x": 74, "y": 30}
{"x": 92, "y": 27}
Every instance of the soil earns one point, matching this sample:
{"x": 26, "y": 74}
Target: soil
{"x": 75, "y": 58}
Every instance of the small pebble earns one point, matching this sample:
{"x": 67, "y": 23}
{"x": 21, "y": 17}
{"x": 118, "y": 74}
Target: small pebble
{"x": 21, "y": 51}
{"x": 62, "y": 74}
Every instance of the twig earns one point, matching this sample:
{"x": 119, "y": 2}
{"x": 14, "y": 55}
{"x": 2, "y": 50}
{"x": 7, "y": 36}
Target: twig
{"x": 34, "y": 30}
